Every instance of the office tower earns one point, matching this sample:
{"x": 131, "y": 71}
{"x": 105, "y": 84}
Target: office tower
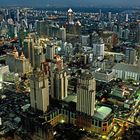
{"x": 85, "y": 40}
{"x": 126, "y": 18}
{"x": 62, "y": 34}
{"x": 109, "y": 16}
{"x": 53, "y": 29}
{"x": 38, "y": 56}
{"x": 35, "y": 52}
{"x": 130, "y": 55}
{"x": 100, "y": 14}
{"x": 98, "y": 49}
{"x": 22, "y": 65}
{"x": 18, "y": 15}
{"x": 50, "y": 51}
{"x": 59, "y": 80}
{"x": 18, "y": 64}
{"x": 120, "y": 32}
{"x": 3, "y": 70}
{"x": 27, "y": 48}
{"x": 138, "y": 32}
{"x": 126, "y": 34}
{"x": 41, "y": 28}
{"x": 86, "y": 88}
{"x": 70, "y": 16}
{"x": 11, "y": 58}
{"x": 15, "y": 32}
{"x": 39, "y": 95}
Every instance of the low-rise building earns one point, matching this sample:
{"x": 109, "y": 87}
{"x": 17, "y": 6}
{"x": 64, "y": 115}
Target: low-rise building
{"x": 126, "y": 71}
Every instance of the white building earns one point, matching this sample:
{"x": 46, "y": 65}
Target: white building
{"x": 18, "y": 64}
{"x": 70, "y": 16}
{"x": 126, "y": 71}
{"x": 62, "y": 34}
{"x": 22, "y": 65}
{"x": 86, "y": 89}
{"x": 98, "y": 50}
{"x": 39, "y": 95}
{"x": 3, "y": 70}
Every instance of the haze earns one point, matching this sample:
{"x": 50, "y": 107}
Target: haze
{"x": 62, "y": 3}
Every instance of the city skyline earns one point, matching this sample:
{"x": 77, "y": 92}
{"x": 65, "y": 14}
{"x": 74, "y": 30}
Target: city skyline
{"x": 71, "y": 72}
{"x": 72, "y": 3}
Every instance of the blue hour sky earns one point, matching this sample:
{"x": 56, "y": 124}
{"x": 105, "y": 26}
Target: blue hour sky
{"x": 98, "y": 3}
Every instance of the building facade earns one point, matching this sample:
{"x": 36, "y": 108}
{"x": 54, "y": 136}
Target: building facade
{"x": 39, "y": 94}
{"x": 86, "y": 94}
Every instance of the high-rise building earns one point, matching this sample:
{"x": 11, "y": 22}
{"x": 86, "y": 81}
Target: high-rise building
{"x": 18, "y": 12}
{"x": 59, "y": 80}
{"x": 86, "y": 89}
{"x": 18, "y": 64}
{"x": 130, "y": 55}
{"x": 85, "y": 40}
{"x": 62, "y": 34}
{"x": 70, "y": 16}
{"x": 28, "y": 48}
{"x": 109, "y": 16}
{"x": 127, "y": 18}
{"x": 41, "y": 27}
{"x": 39, "y": 56}
{"x": 3, "y": 70}
{"x": 22, "y": 65}
{"x": 34, "y": 52}
{"x": 11, "y": 58}
{"x": 98, "y": 49}
{"x": 50, "y": 51}
{"x": 39, "y": 95}
{"x": 138, "y": 32}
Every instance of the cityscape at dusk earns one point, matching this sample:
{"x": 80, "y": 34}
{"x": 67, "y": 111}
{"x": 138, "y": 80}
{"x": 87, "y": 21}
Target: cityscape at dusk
{"x": 69, "y": 70}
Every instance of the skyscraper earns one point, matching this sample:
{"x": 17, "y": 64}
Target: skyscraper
{"x": 59, "y": 80}
{"x": 86, "y": 89}
{"x": 39, "y": 95}
{"x": 98, "y": 49}
{"x": 39, "y": 56}
{"x": 63, "y": 34}
{"x": 109, "y": 16}
{"x": 50, "y": 51}
{"x": 70, "y": 15}
{"x": 18, "y": 12}
{"x": 130, "y": 55}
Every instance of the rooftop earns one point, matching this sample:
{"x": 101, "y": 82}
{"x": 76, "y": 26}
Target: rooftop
{"x": 103, "y": 112}
{"x": 71, "y": 98}
{"x": 126, "y": 67}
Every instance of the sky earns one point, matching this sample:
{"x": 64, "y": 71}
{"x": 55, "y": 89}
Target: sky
{"x": 68, "y": 3}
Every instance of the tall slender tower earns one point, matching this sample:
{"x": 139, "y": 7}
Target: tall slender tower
{"x": 86, "y": 89}
{"x": 59, "y": 80}
{"x": 39, "y": 95}
{"x": 18, "y": 15}
{"x": 70, "y": 15}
